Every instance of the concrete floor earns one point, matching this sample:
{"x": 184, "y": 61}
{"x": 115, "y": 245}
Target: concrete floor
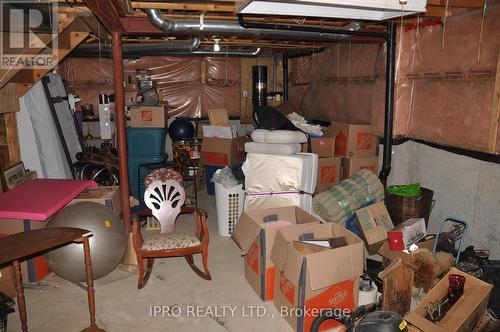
{"x": 122, "y": 307}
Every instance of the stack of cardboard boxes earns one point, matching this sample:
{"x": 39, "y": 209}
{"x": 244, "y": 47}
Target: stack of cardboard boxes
{"x": 221, "y": 146}
{"x": 343, "y": 150}
{"x": 283, "y": 263}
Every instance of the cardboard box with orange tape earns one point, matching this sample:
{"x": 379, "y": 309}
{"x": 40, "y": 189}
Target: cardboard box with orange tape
{"x": 254, "y": 233}
{"x": 328, "y": 173}
{"x": 148, "y": 116}
{"x": 351, "y": 166}
{"x": 354, "y": 140}
{"x": 308, "y": 280}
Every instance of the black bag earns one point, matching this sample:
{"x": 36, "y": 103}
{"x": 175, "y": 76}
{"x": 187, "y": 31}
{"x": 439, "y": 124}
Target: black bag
{"x": 267, "y": 117}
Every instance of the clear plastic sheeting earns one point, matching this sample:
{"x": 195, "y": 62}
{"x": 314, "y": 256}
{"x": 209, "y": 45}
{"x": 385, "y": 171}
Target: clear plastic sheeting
{"x": 190, "y": 85}
{"x": 339, "y": 203}
{"x": 225, "y": 177}
{"x": 339, "y": 82}
{"x": 445, "y": 80}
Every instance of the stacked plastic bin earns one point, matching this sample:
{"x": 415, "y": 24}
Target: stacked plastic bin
{"x": 146, "y": 151}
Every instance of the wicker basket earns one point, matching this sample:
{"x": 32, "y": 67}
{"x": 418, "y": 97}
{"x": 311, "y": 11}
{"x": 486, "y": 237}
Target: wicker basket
{"x": 403, "y": 208}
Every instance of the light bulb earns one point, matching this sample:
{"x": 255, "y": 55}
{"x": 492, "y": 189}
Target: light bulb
{"x": 216, "y": 45}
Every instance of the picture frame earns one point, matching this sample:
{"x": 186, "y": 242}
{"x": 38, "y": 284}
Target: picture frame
{"x": 13, "y": 175}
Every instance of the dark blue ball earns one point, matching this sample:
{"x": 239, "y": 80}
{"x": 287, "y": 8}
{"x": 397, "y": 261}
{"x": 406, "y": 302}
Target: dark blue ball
{"x": 181, "y": 128}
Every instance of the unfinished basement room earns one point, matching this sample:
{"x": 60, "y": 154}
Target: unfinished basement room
{"x": 250, "y": 165}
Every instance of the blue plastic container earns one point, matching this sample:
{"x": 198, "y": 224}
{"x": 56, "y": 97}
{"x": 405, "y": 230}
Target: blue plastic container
{"x": 137, "y": 190}
{"x": 134, "y": 175}
{"x": 146, "y": 141}
{"x": 209, "y": 173}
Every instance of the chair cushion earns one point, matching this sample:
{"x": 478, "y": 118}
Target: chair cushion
{"x": 163, "y": 241}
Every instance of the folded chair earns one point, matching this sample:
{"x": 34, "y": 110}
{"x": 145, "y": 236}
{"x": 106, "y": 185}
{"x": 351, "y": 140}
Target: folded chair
{"x": 165, "y": 197}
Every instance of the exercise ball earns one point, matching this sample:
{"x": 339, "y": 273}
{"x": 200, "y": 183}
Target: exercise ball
{"x": 107, "y": 243}
{"x": 181, "y": 128}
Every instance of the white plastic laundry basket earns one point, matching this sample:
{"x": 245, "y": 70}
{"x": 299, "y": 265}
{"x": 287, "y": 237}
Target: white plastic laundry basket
{"x": 229, "y": 203}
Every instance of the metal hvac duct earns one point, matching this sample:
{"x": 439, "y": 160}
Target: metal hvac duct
{"x": 133, "y": 50}
{"x": 136, "y": 49}
{"x": 216, "y": 27}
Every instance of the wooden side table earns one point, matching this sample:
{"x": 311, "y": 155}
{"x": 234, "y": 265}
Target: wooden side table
{"x": 14, "y": 248}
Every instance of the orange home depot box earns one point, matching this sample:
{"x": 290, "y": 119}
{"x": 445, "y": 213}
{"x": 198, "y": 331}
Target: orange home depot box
{"x": 254, "y": 233}
{"x": 148, "y": 116}
{"x": 223, "y": 151}
{"x": 328, "y": 173}
{"x": 33, "y": 269}
{"x": 353, "y": 165}
{"x": 310, "y": 281}
{"x": 354, "y": 140}
{"x": 463, "y": 316}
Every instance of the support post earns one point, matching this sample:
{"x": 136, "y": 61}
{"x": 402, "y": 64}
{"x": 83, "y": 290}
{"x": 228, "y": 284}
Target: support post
{"x": 120, "y": 122}
{"x": 285, "y": 76}
{"x": 390, "y": 72}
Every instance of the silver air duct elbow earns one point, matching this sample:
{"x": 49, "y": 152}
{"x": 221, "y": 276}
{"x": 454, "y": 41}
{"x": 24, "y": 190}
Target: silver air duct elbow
{"x": 215, "y": 27}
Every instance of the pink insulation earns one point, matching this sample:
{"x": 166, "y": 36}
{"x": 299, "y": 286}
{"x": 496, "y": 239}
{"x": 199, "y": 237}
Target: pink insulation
{"x": 190, "y": 87}
{"x": 444, "y": 83}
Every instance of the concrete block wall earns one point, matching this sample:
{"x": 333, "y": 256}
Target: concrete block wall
{"x": 463, "y": 187}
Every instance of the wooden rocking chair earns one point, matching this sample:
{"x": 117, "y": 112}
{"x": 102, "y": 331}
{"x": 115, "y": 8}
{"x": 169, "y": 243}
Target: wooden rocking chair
{"x": 165, "y": 199}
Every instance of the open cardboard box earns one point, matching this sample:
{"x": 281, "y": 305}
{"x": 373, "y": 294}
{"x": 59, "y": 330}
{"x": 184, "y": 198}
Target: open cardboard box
{"x": 256, "y": 243}
{"x": 323, "y": 146}
{"x": 374, "y": 221}
{"x": 311, "y": 280}
{"x": 463, "y": 316}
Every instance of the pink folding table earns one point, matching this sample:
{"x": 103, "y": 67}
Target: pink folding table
{"x": 38, "y": 200}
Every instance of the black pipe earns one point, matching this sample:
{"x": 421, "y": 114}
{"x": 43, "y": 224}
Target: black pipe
{"x": 259, "y": 83}
{"x": 389, "y": 102}
{"x": 45, "y": 82}
{"x": 300, "y": 54}
{"x": 273, "y": 26}
{"x": 285, "y": 76}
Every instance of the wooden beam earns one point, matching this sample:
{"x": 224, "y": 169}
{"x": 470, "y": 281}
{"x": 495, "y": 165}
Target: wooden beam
{"x": 106, "y": 13}
{"x": 184, "y": 6}
{"x": 495, "y": 112}
{"x": 457, "y": 3}
{"x": 435, "y": 11}
{"x": 12, "y": 137}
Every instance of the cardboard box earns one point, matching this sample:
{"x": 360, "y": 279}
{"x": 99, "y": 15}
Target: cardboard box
{"x": 33, "y": 269}
{"x": 352, "y": 165}
{"x": 324, "y": 146}
{"x": 386, "y": 252}
{"x": 328, "y": 173}
{"x": 407, "y": 233}
{"x": 222, "y": 151}
{"x": 308, "y": 281}
{"x": 353, "y": 140}
{"x": 219, "y": 131}
{"x": 148, "y": 116}
{"x": 463, "y": 316}
{"x": 374, "y": 221}
{"x": 288, "y": 107}
{"x": 256, "y": 243}
{"x": 107, "y": 196}
{"x": 218, "y": 117}
{"x": 7, "y": 281}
